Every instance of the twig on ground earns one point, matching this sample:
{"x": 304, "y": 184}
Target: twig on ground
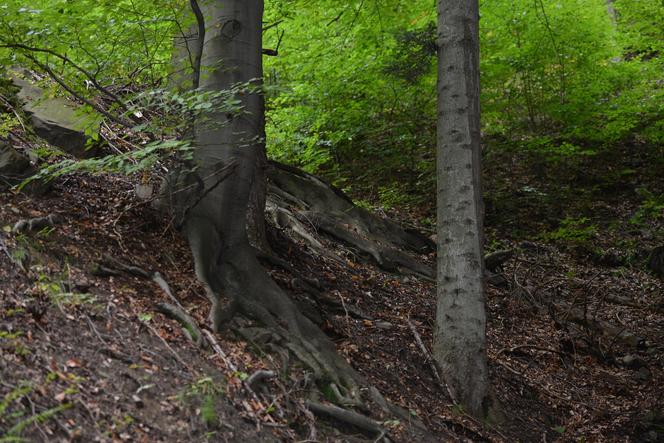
{"x": 430, "y": 360}
{"x": 92, "y": 327}
{"x": 215, "y": 346}
{"x": 537, "y": 348}
{"x": 172, "y": 351}
{"x": 349, "y": 417}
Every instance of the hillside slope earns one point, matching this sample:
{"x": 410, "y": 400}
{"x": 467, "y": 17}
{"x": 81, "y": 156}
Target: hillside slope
{"x": 85, "y": 355}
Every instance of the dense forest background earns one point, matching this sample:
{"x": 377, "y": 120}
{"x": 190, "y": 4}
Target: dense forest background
{"x": 353, "y": 84}
{"x": 572, "y": 114}
{"x": 561, "y": 82}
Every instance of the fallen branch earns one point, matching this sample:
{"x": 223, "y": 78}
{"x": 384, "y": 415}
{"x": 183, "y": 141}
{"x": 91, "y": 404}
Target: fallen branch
{"x": 172, "y": 351}
{"x": 534, "y": 347}
{"x": 215, "y": 346}
{"x": 430, "y": 360}
{"x": 113, "y": 266}
{"x": 348, "y": 417}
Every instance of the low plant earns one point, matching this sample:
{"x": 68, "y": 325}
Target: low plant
{"x": 203, "y": 395}
{"x": 572, "y": 230}
{"x": 56, "y": 291}
{"x": 651, "y": 209}
{"x": 15, "y": 420}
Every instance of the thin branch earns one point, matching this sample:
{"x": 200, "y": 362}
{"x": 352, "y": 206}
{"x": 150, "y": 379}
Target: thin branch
{"x": 198, "y": 54}
{"x": 272, "y": 25}
{"x": 66, "y": 59}
{"x": 78, "y": 96}
{"x": 431, "y": 361}
{"x": 336, "y": 19}
{"x": 274, "y": 52}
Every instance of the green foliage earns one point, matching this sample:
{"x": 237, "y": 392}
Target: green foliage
{"x": 204, "y": 394}
{"x": 555, "y": 152}
{"x": 573, "y": 230}
{"x": 7, "y": 123}
{"x": 353, "y": 90}
{"x": 127, "y": 163}
{"x": 651, "y": 209}
{"x": 334, "y": 101}
{"x": 15, "y": 423}
{"x": 57, "y": 292}
{"x": 170, "y": 118}
{"x": 354, "y": 84}
{"x": 174, "y": 111}
{"x": 117, "y": 41}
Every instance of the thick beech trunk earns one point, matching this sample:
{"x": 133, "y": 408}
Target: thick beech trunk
{"x": 223, "y": 220}
{"x": 459, "y": 339}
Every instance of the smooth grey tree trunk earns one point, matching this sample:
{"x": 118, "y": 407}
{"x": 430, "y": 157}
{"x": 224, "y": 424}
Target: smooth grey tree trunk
{"x": 224, "y": 220}
{"x": 459, "y": 345}
{"x": 611, "y": 10}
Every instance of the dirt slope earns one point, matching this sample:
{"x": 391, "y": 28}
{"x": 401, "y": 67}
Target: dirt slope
{"x": 85, "y": 357}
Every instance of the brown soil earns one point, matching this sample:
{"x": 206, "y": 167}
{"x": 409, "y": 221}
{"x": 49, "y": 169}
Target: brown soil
{"x": 95, "y": 348}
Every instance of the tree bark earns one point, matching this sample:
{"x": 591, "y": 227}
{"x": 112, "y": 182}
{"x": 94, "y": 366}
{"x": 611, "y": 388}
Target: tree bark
{"x": 223, "y": 220}
{"x": 459, "y": 339}
{"x": 611, "y": 10}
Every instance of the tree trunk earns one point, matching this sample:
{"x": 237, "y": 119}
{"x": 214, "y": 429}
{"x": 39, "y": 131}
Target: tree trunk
{"x": 459, "y": 339}
{"x": 222, "y": 212}
{"x": 611, "y": 10}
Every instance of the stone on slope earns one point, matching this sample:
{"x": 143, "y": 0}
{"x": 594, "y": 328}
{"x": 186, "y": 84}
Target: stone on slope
{"x": 656, "y": 260}
{"x": 60, "y": 122}
{"x": 14, "y": 167}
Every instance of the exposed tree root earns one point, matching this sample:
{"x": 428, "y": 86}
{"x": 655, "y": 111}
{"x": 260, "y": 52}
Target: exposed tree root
{"x": 189, "y": 325}
{"x": 387, "y": 258}
{"x": 238, "y": 276}
{"x": 35, "y": 224}
{"x": 259, "y": 377}
{"x": 601, "y": 329}
{"x": 300, "y": 202}
{"x": 319, "y": 196}
{"x": 228, "y": 265}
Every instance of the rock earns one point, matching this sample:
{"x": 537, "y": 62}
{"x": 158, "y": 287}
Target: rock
{"x": 497, "y": 280}
{"x": 144, "y": 192}
{"x": 60, "y": 122}
{"x": 632, "y": 361}
{"x": 384, "y": 325}
{"x": 656, "y": 260}
{"x": 496, "y": 259}
{"x": 14, "y": 167}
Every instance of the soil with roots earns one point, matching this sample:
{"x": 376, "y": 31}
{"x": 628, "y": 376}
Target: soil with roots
{"x": 574, "y": 346}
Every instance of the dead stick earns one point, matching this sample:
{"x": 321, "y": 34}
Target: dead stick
{"x": 430, "y": 360}
{"x": 344, "y": 415}
{"x": 177, "y": 356}
{"x": 215, "y": 345}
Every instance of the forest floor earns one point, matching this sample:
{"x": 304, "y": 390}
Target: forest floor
{"x": 85, "y": 357}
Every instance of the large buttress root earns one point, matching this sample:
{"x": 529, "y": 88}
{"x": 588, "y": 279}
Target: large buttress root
{"x": 299, "y": 202}
{"x": 235, "y": 276}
